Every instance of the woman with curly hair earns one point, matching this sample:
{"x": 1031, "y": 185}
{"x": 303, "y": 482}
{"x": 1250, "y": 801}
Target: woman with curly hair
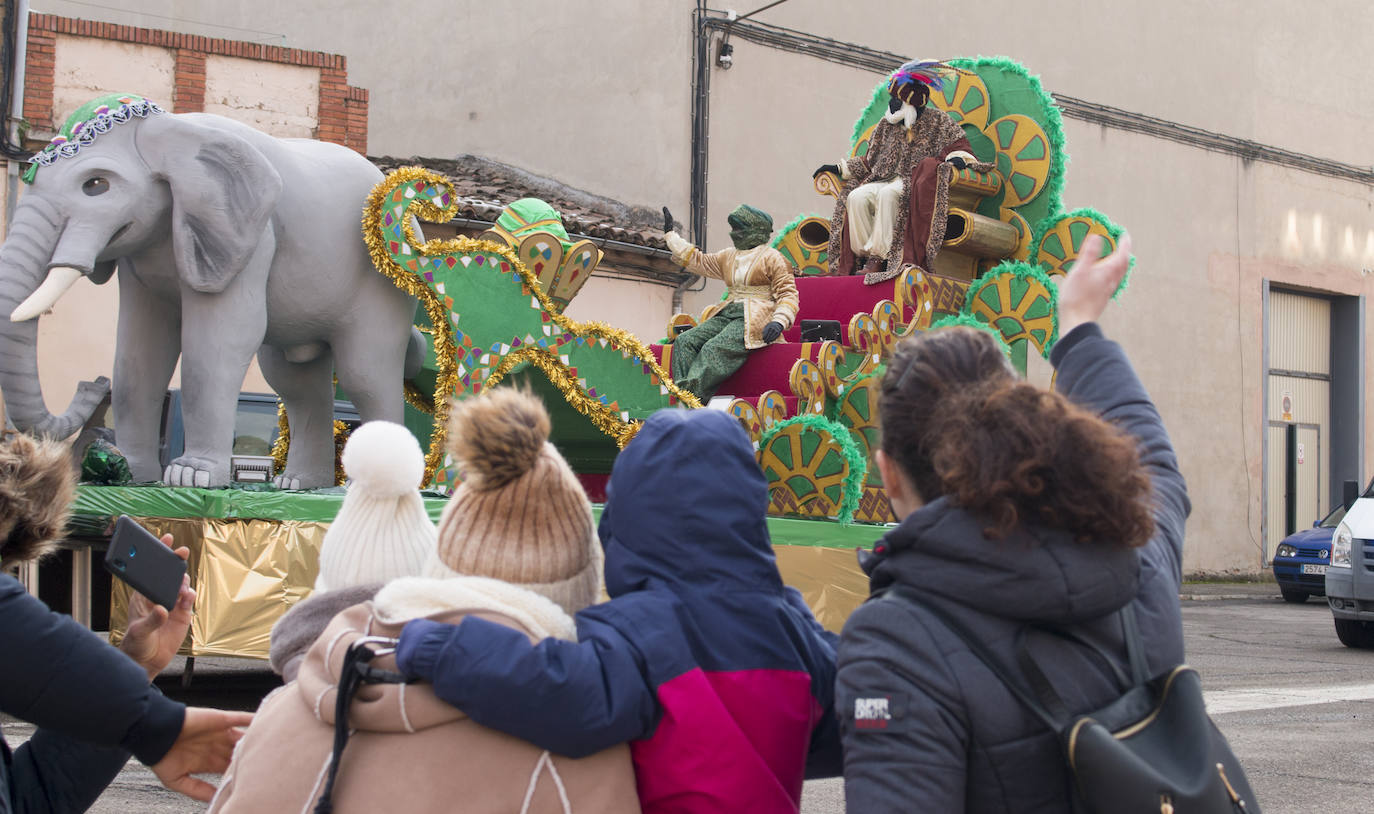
{"x": 1020, "y": 510}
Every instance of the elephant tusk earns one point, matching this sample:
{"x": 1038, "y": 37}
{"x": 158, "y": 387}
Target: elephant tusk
{"x": 59, "y": 279}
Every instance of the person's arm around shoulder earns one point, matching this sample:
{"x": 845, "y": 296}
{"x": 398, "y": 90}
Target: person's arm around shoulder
{"x": 572, "y": 698}
{"x": 905, "y": 739}
{"x": 1095, "y": 373}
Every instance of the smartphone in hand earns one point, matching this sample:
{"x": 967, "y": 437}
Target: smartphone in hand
{"x": 139, "y": 558}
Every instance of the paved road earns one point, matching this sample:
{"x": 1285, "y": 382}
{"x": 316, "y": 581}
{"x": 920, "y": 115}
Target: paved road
{"x": 1297, "y": 706}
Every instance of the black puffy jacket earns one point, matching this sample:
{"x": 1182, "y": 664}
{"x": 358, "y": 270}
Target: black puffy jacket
{"x": 91, "y": 704}
{"x": 926, "y": 726}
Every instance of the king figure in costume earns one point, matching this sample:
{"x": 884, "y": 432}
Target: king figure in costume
{"x": 761, "y": 303}
{"x": 895, "y": 197}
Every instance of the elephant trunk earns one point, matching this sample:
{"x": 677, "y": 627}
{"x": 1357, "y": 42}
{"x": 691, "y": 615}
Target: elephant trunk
{"x": 24, "y": 259}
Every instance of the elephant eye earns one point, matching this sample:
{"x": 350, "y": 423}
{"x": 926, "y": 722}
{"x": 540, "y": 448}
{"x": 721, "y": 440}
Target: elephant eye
{"x": 95, "y": 186}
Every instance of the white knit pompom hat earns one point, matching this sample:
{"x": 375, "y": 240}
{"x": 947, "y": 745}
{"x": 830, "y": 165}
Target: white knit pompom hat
{"x": 382, "y": 531}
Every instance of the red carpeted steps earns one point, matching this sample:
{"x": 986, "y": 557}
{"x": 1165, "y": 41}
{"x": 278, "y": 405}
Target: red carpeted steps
{"x": 837, "y": 298}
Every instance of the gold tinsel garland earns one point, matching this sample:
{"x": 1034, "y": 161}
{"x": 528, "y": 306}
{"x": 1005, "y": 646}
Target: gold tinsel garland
{"x": 445, "y": 350}
{"x": 283, "y": 444}
{"x": 601, "y": 416}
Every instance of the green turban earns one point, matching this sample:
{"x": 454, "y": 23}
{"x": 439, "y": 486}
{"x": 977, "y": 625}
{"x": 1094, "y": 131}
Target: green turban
{"x": 749, "y": 227}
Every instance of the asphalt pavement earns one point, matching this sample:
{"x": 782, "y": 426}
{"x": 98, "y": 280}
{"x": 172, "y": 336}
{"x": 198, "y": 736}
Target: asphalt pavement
{"x": 1296, "y": 705}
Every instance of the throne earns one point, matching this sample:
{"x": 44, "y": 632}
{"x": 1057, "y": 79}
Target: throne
{"x": 1006, "y": 238}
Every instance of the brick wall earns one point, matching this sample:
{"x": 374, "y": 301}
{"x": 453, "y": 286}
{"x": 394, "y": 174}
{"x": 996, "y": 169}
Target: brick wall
{"x": 342, "y": 108}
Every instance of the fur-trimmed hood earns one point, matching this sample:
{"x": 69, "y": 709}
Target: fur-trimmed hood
{"x": 37, "y": 487}
{"x": 400, "y": 707}
{"x": 405, "y": 743}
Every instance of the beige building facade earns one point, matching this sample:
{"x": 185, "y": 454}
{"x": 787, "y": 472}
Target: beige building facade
{"x": 1230, "y": 138}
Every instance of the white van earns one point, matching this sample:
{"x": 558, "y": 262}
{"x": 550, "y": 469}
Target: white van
{"x": 1350, "y": 577}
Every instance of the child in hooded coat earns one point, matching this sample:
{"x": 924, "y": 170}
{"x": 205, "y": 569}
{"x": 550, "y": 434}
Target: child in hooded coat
{"x": 716, "y": 673}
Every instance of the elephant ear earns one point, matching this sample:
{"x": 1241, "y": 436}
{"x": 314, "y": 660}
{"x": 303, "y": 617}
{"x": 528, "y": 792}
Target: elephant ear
{"x": 223, "y": 191}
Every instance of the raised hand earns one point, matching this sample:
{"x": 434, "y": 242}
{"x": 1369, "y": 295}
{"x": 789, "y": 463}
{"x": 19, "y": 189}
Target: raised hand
{"x": 1091, "y": 282}
{"x": 824, "y": 168}
{"x": 205, "y": 746}
{"x": 154, "y": 636}
{"x": 667, "y": 220}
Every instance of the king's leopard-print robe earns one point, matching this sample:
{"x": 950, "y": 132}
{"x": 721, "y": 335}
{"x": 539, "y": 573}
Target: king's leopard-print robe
{"x": 892, "y": 154}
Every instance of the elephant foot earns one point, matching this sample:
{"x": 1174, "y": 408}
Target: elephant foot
{"x": 191, "y": 471}
{"x": 284, "y": 482}
{"x": 301, "y": 480}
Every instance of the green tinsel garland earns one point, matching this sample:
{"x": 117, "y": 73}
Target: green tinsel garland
{"x": 968, "y": 321}
{"x": 1017, "y": 268}
{"x": 1050, "y": 121}
{"x": 1088, "y": 212}
{"x": 858, "y": 465}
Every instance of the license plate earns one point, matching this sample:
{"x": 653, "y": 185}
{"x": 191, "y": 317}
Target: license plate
{"x": 1314, "y": 569}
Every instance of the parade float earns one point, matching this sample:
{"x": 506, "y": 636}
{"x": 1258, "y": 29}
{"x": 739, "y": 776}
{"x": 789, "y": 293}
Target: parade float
{"x": 491, "y": 314}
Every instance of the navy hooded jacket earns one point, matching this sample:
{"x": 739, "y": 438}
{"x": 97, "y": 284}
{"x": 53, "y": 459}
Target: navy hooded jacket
{"x": 717, "y": 674}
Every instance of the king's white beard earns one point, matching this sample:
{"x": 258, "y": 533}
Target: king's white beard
{"x": 906, "y": 115}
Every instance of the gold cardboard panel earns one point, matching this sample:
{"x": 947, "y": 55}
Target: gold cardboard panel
{"x": 829, "y": 579}
{"x": 247, "y": 573}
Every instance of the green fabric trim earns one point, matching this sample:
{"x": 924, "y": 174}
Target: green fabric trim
{"x": 1050, "y": 121}
{"x": 1094, "y": 215}
{"x": 530, "y": 211}
{"x": 799, "y": 531}
{"x": 969, "y": 321}
{"x": 96, "y": 506}
{"x": 1017, "y": 268}
{"x": 104, "y": 502}
{"x": 858, "y": 464}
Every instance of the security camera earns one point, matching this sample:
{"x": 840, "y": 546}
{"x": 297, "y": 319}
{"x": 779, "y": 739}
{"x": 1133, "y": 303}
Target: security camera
{"x": 726, "y": 56}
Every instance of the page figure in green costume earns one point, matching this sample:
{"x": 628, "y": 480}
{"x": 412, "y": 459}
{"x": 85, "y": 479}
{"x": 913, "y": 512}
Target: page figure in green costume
{"x": 760, "y": 304}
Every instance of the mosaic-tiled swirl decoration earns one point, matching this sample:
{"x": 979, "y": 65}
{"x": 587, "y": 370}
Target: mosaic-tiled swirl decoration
{"x": 491, "y": 316}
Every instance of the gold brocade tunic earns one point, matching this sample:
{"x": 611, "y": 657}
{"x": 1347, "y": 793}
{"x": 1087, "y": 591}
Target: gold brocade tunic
{"x": 760, "y": 278}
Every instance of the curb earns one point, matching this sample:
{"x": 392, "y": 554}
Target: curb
{"x": 1219, "y": 597}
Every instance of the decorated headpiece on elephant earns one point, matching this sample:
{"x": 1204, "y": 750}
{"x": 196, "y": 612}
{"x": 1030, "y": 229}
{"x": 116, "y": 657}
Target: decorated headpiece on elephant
{"x": 229, "y": 242}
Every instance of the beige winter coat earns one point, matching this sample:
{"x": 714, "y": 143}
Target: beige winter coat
{"x": 411, "y": 751}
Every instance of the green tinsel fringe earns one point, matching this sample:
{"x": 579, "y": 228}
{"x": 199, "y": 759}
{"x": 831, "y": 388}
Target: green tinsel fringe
{"x": 879, "y": 97}
{"x": 792, "y": 224}
{"x": 1050, "y": 121}
{"x": 1017, "y": 268}
{"x": 1088, "y": 212}
{"x": 967, "y": 321}
{"x": 858, "y": 465}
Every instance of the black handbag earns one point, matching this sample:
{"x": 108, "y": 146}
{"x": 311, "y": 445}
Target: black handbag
{"x": 1153, "y": 750}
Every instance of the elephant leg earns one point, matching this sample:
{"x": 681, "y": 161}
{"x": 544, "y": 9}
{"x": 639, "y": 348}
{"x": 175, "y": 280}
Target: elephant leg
{"x": 147, "y": 344}
{"x": 220, "y": 333}
{"x": 371, "y": 358}
{"x": 307, "y": 390}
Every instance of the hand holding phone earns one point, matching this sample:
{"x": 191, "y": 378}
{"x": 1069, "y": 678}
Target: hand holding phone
{"x": 145, "y": 563}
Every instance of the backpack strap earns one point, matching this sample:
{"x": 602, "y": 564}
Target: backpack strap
{"x": 1054, "y": 714}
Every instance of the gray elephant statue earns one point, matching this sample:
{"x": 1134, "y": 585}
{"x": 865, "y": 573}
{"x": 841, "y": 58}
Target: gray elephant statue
{"x": 228, "y": 242}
